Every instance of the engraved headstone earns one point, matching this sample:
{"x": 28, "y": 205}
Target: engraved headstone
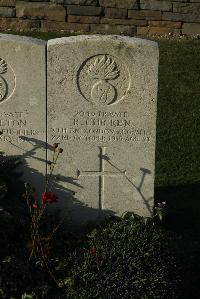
{"x": 23, "y": 104}
{"x": 102, "y": 98}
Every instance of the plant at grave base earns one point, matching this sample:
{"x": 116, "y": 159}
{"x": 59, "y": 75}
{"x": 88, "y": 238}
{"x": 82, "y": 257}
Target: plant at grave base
{"x": 40, "y": 244}
{"x": 9, "y": 209}
{"x": 7, "y": 166}
{"x": 161, "y": 210}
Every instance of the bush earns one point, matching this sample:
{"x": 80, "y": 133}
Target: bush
{"x": 124, "y": 258}
{"x": 10, "y": 222}
{"x": 130, "y": 259}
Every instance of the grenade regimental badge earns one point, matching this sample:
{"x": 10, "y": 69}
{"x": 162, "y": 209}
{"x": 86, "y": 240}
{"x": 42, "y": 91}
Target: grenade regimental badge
{"x": 7, "y": 81}
{"x": 3, "y": 83}
{"x": 104, "y": 70}
{"x": 103, "y": 80}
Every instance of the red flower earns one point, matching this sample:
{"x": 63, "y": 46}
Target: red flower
{"x": 93, "y": 252}
{"x": 48, "y": 197}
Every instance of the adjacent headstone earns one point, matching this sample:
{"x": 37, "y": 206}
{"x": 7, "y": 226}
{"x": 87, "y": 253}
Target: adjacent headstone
{"x": 23, "y": 104}
{"x": 102, "y": 95}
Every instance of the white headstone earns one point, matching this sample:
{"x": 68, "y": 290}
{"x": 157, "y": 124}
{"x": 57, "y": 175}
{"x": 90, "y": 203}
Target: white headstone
{"x": 102, "y": 98}
{"x": 23, "y": 104}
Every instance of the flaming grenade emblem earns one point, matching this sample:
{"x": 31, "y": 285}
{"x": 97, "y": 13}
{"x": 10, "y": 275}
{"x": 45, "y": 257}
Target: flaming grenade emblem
{"x": 103, "y": 69}
{"x": 3, "y": 83}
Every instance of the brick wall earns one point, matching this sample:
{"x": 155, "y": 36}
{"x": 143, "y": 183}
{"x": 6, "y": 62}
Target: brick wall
{"x": 130, "y": 17}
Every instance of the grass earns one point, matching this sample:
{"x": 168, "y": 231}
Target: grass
{"x": 178, "y": 123}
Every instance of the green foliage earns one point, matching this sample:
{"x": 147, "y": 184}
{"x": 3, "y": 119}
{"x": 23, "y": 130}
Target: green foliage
{"x": 7, "y": 165}
{"x": 7, "y": 173}
{"x": 133, "y": 258}
{"x": 10, "y": 222}
{"x": 128, "y": 258}
{"x": 20, "y": 279}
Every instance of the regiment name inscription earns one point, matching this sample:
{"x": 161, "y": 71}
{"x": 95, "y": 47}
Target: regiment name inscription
{"x": 14, "y": 126}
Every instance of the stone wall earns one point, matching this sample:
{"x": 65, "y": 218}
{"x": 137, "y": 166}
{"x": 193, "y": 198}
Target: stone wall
{"x": 130, "y": 17}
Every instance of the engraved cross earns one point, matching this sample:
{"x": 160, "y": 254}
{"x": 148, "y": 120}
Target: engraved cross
{"x": 101, "y": 174}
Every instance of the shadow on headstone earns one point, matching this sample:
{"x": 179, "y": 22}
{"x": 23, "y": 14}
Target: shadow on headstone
{"x": 75, "y": 210}
{"x": 182, "y": 201}
{"x": 138, "y": 188}
{"x": 70, "y": 208}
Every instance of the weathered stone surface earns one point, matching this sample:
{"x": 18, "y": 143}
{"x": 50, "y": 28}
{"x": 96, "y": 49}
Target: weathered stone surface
{"x": 115, "y": 13}
{"x": 102, "y": 95}
{"x": 156, "y": 5}
{"x": 157, "y": 31}
{"x": 81, "y": 2}
{"x": 23, "y": 104}
{"x": 180, "y": 17}
{"x": 119, "y": 4}
{"x": 191, "y": 28}
{"x": 48, "y": 26}
{"x": 5, "y": 3}
{"x": 88, "y": 2}
{"x": 37, "y": 0}
{"x": 57, "y": 1}
{"x": 167, "y": 24}
{"x": 71, "y": 2}
{"x": 142, "y": 30}
{"x": 190, "y": 8}
{"x": 113, "y": 29}
{"x": 145, "y": 14}
{"x": 83, "y": 19}
{"x": 40, "y": 11}
{"x": 19, "y": 24}
{"x": 123, "y": 22}
{"x": 83, "y": 11}
{"x": 175, "y": 0}
{"x": 7, "y": 12}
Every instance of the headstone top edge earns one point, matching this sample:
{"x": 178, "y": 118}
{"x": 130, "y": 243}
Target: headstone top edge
{"x": 80, "y": 38}
{"x": 22, "y": 39}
